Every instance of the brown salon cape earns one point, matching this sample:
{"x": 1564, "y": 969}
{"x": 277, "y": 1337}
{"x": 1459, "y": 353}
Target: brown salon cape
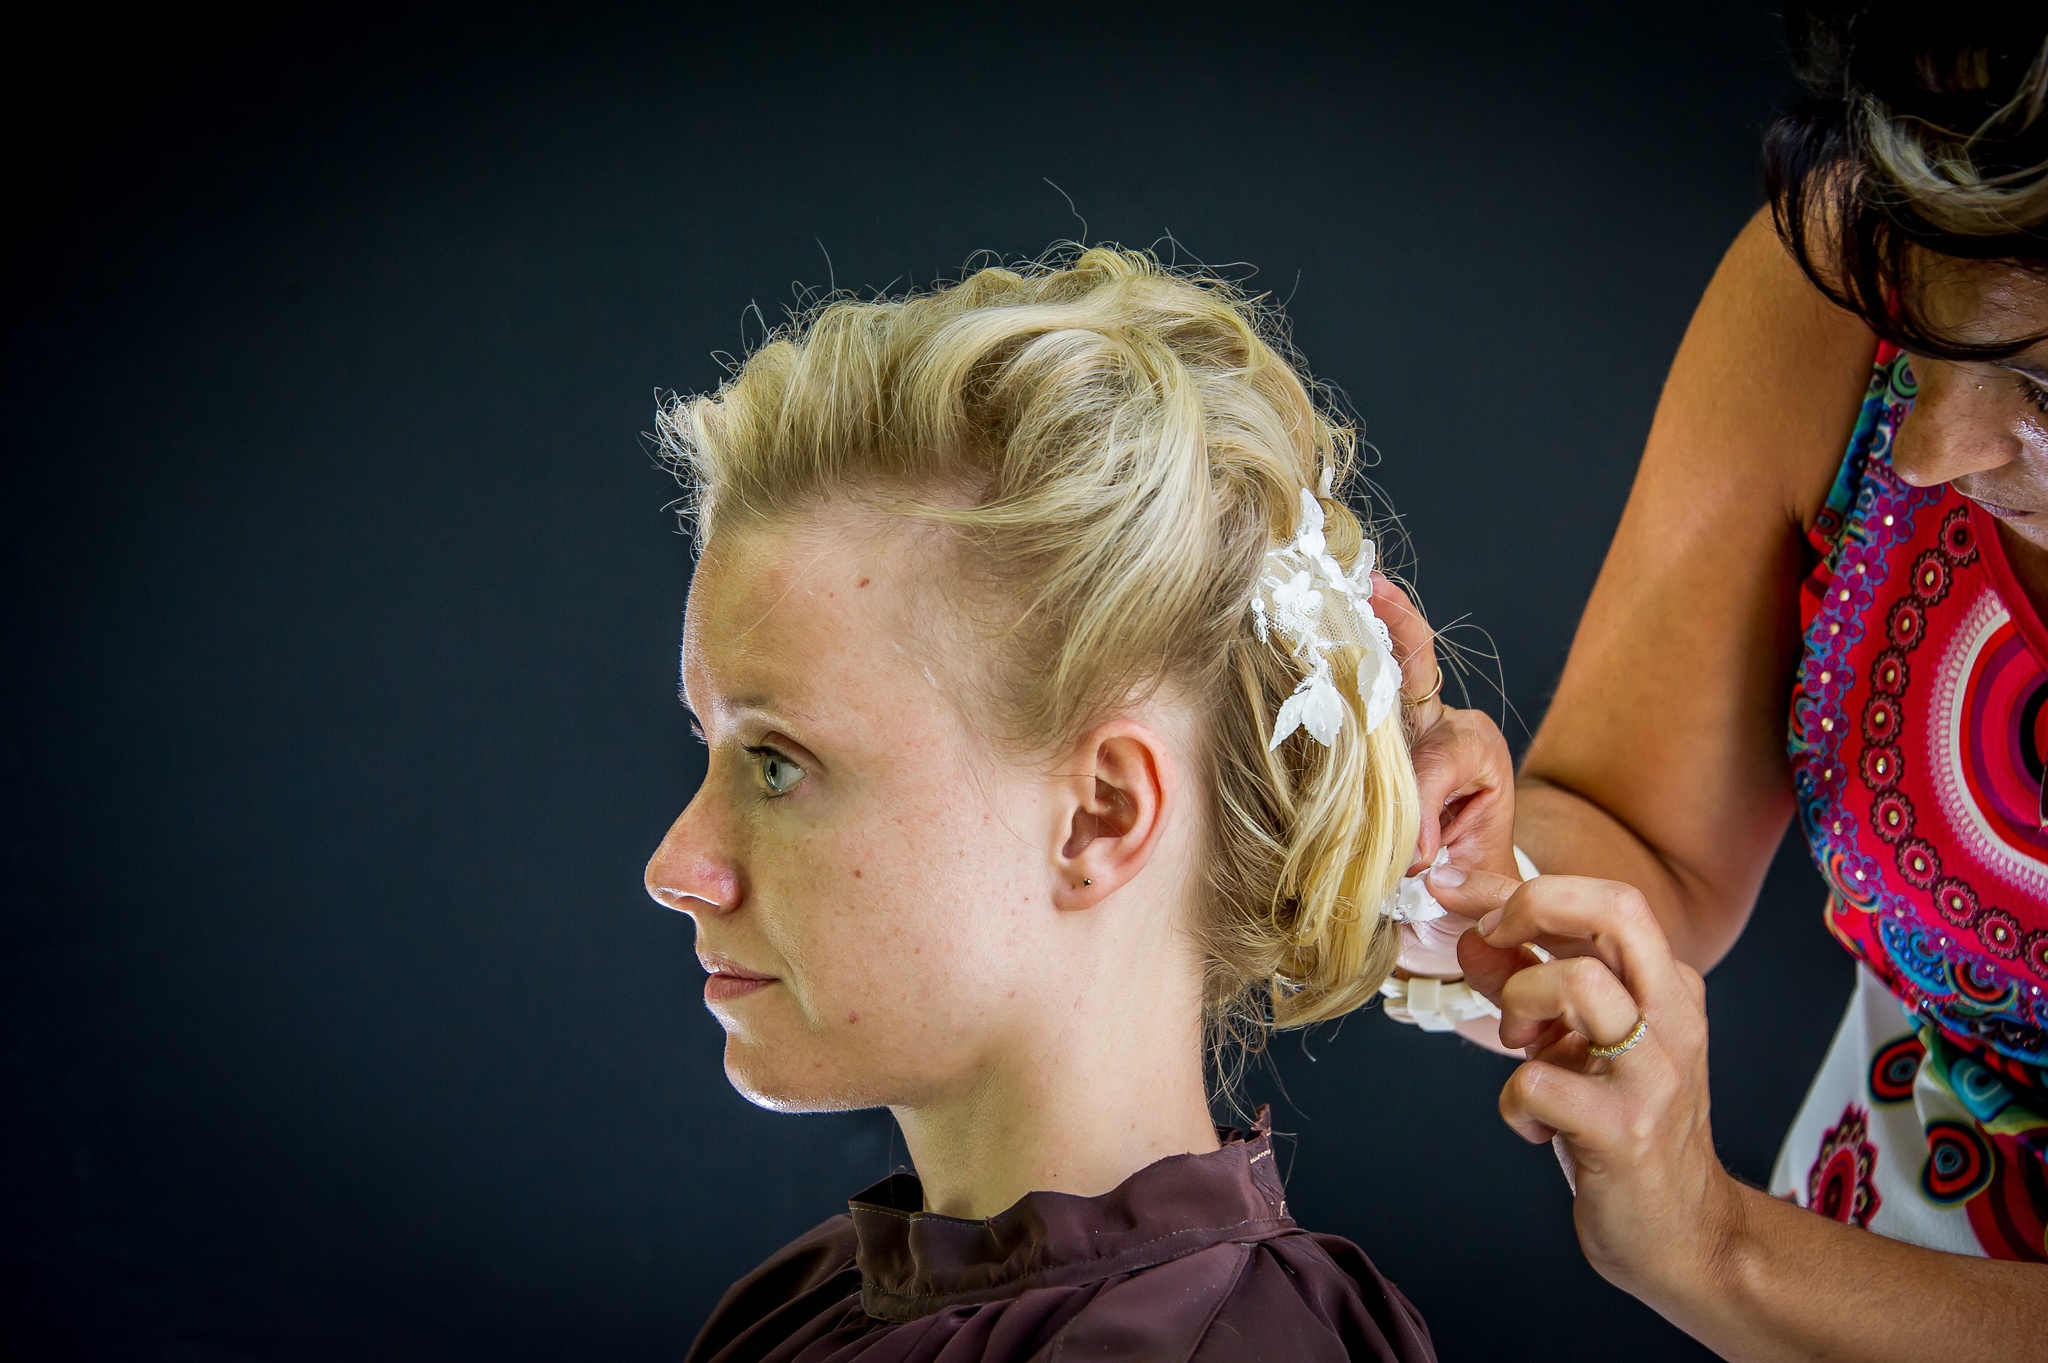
{"x": 1191, "y": 1258}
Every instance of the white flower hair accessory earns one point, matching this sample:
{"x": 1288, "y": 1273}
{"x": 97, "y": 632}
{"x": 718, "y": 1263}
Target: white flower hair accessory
{"x": 1303, "y": 594}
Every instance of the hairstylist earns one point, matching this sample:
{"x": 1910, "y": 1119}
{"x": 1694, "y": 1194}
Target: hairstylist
{"x": 1890, "y": 600}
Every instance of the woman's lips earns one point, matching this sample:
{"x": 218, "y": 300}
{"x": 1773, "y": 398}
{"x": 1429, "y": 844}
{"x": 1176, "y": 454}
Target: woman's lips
{"x": 723, "y": 988}
{"x": 729, "y": 979}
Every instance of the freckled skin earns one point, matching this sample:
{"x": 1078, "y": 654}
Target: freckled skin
{"x": 1027, "y": 1032}
{"x": 879, "y": 750}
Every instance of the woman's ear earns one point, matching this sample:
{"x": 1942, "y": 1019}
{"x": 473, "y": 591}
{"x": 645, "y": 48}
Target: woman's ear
{"x": 1114, "y": 794}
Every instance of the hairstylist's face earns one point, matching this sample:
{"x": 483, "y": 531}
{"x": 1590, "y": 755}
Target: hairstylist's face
{"x": 869, "y": 883}
{"x": 1984, "y": 425}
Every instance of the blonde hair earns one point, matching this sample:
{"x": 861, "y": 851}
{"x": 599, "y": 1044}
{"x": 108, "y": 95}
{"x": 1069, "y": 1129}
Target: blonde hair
{"x": 1114, "y": 444}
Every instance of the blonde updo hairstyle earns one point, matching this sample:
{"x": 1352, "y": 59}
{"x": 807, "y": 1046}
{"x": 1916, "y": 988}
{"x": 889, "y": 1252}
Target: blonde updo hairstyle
{"x": 1114, "y": 445}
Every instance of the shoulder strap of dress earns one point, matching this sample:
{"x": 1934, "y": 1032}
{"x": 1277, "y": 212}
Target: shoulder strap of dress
{"x": 1831, "y": 524}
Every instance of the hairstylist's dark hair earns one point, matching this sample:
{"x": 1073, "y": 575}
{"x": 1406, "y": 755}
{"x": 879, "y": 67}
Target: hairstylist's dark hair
{"x": 1921, "y": 129}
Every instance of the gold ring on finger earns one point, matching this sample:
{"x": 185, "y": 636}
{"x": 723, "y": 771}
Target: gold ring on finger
{"x": 1431, "y": 694}
{"x": 1624, "y": 1047}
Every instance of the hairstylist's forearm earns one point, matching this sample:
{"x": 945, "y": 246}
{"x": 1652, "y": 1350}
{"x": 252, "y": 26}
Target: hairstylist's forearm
{"x": 1662, "y": 760}
{"x": 1566, "y": 833}
{"x": 1787, "y": 1286}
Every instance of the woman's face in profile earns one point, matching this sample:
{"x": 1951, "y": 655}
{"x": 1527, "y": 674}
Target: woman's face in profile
{"x": 867, "y": 880}
{"x": 1984, "y": 425}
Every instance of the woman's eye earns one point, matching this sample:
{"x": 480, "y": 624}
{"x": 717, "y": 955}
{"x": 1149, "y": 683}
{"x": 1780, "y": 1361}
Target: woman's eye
{"x": 778, "y": 773}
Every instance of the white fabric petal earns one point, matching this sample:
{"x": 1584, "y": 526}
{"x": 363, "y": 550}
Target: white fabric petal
{"x": 1437, "y": 1005}
{"x": 1315, "y": 706}
{"x": 1323, "y": 715}
{"x": 1287, "y": 721}
{"x": 1379, "y": 678}
{"x": 1297, "y": 605}
{"x": 1360, "y": 576}
{"x": 1412, "y": 902}
{"x": 1309, "y": 539}
{"x": 1289, "y": 598}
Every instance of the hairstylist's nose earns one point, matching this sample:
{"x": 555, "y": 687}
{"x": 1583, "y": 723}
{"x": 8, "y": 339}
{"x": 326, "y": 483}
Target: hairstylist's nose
{"x": 686, "y": 873}
{"x": 1956, "y": 427}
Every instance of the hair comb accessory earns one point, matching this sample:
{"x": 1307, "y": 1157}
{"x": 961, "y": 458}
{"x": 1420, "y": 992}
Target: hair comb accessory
{"x": 1303, "y": 594}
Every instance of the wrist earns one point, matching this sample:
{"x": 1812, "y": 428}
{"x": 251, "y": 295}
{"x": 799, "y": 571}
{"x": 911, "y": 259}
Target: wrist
{"x": 1715, "y": 1261}
{"x": 1725, "y": 1249}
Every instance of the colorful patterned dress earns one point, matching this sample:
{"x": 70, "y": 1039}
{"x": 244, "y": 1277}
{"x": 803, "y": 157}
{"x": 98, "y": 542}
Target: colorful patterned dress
{"x": 1918, "y": 738}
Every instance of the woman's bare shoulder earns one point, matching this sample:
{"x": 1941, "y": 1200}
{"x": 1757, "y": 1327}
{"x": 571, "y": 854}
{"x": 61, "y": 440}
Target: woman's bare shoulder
{"x": 1682, "y": 660}
{"x": 1764, "y": 390}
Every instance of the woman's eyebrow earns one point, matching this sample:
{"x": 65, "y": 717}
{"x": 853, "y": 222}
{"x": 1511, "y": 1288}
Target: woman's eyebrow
{"x": 765, "y": 707}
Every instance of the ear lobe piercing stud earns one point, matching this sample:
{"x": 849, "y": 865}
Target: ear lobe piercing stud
{"x": 1088, "y": 882}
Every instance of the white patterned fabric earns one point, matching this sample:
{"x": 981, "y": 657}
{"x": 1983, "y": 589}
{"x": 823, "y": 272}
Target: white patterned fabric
{"x": 1859, "y": 1149}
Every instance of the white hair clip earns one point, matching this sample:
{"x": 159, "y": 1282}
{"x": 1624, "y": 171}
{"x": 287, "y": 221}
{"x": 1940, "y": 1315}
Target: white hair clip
{"x": 1293, "y": 595}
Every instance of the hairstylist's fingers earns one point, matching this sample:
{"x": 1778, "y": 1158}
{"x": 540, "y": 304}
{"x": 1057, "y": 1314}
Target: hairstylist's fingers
{"x": 1475, "y": 894}
{"x": 1465, "y": 780}
{"x": 1472, "y": 890}
{"x": 1579, "y": 991}
{"x": 1543, "y": 1099}
{"x": 1487, "y": 972}
{"x": 1487, "y": 968}
{"x": 1575, "y": 915}
{"x": 1414, "y": 648}
{"x": 1695, "y": 984}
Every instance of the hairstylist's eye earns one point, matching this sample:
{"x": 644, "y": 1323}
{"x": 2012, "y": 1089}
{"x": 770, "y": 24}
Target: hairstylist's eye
{"x": 778, "y": 773}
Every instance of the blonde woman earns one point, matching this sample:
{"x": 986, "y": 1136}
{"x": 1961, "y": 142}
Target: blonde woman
{"x": 1052, "y": 737}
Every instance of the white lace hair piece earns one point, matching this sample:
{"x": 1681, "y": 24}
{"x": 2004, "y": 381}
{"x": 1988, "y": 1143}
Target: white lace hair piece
{"x": 1306, "y": 597}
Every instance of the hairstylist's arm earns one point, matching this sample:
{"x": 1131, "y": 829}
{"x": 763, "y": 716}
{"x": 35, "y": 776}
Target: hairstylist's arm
{"x": 1661, "y": 761}
{"x": 1749, "y": 1276}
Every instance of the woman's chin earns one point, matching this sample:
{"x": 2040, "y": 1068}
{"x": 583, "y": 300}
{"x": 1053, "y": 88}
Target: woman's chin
{"x": 778, "y": 1079}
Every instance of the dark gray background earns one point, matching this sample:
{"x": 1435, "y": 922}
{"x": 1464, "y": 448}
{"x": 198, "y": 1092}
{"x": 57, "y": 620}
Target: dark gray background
{"x": 341, "y": 604}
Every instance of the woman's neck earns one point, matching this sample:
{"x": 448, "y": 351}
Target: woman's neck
{"x": 1078, "y": 1112}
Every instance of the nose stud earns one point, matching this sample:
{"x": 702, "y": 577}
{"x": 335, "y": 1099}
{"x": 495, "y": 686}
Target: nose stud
{"x": 1088, "y": 882}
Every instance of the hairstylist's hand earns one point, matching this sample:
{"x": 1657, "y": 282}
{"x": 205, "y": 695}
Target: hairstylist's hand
{"x": 1463, "y": 772}
{"x": 1466, "y": 781}
{"x": 1653, "y": 1200}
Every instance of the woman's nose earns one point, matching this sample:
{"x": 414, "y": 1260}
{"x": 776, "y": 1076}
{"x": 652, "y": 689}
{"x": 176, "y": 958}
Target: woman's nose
{"x": 1957, "y": 427}
{"x": 688, "y": 873}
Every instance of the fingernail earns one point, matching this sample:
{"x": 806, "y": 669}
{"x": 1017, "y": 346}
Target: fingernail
{"x": 1489, "y": 923}
{"x": 1447, "y": 875}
